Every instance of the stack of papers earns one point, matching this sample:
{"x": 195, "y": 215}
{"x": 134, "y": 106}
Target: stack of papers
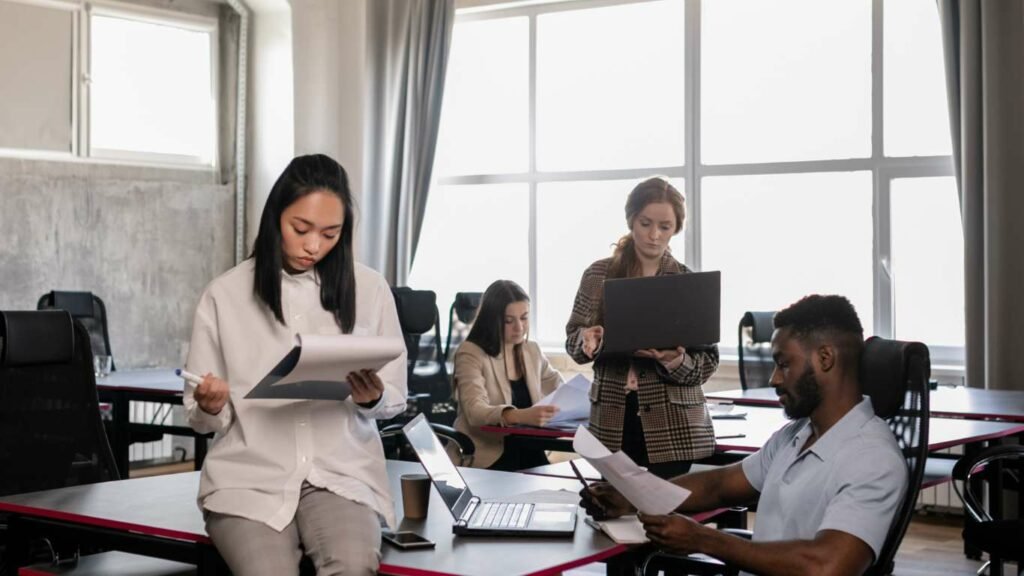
{"x": 572, "y": 399}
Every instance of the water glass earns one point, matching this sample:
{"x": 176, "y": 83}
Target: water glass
{"x": 102, "y": 365}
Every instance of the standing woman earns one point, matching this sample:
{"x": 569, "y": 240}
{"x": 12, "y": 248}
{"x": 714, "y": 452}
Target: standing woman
{"x": 650, "y": 406}
{"x": 499, "y": 375}
{"x": 287, "y": 476}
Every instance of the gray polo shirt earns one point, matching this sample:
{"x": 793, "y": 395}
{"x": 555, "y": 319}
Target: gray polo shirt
{"x": 852, "y": 479}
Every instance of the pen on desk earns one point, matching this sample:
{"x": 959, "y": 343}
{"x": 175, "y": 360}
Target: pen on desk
{"x": 579, "y": 474}
{"x": 197, "y": 380}
{"x": 727, "y": 436}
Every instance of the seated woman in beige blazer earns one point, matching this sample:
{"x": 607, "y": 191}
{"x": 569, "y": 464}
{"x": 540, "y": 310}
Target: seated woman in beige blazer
{"x": 500, "y": 375}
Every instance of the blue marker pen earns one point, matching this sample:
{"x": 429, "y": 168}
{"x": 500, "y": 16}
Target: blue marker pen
{"x": 197, "y": 380}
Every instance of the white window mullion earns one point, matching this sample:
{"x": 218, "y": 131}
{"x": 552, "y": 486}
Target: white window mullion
{"x": 882, "y": 280}
{"x": 532, "y": 169}
{"x": 692, "y": 115}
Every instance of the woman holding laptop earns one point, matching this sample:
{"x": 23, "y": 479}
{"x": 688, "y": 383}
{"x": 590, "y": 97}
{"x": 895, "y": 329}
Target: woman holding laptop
{"x": 650, "y": 405}
{"x": 499, "y": 375}
{"x": 285, "y": 477}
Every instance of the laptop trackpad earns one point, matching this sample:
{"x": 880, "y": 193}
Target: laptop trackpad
{"x": 547, "y": 515}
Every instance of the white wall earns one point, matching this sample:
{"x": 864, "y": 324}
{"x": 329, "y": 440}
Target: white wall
{"x": 329, "y": 55}
{"x": 271, "y": 101}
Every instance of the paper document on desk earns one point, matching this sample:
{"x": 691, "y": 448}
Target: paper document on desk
{"x": 649, "y": 493}
{"x": 317, "y": 367}
{"x": 572, "y": 399}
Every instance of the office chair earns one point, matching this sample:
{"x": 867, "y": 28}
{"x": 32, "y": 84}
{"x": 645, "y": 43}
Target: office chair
{"x": 895, "y": 375}
{"x": 429, "y": 385}
{"x": 88, "y": 309}
{"x": 988, "y": 528}
{"x": 397, "y": 448}
{"x": 463, "y": 309}
{"x": 51, "y": 435}
{"x": 754, "y": 349}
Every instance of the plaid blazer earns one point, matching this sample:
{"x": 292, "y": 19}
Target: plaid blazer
{"x": 673, "y": 411}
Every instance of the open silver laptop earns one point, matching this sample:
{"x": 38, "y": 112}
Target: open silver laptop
{"x": 476, "y": 517}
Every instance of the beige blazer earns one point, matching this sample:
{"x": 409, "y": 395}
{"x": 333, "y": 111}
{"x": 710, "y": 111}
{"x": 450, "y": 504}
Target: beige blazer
{"x": 483, "y": 391}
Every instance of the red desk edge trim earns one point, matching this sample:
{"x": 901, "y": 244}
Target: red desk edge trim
{"x": 102, "y": 523}
{"x": 552, "y": 571}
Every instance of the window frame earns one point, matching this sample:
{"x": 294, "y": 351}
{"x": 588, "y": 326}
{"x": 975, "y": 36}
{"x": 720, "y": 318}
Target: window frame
{"x": 883, "y": 169}
{"x": 79, "y": 147}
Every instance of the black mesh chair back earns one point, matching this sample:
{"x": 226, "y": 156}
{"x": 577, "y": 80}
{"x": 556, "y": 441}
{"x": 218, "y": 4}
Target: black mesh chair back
{"x": 88, "y": 309}
{"x": 895, "y": 375}
{"x": 755, "y": 350}
{"x": 396, "y": 447}
{"x": 51, "y": 435}
{"x": 994, "y": 529}
{"x": 462, "y": 312}
{"x": 418, "y": 315}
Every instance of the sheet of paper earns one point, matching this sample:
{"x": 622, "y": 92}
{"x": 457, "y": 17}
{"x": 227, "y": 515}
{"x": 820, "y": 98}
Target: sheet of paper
{"x": 625, "y": 530}
{"x": 317, "y": 367}
{"x": 649, "y": 493}
{"x": 572, "y": 399}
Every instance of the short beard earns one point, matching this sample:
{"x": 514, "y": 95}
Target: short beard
{"x": 807, "y": 396}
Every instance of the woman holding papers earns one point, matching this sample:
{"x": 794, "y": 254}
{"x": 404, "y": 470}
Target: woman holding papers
{"x": 286, "y": 476}
{"x": 649, "y": 405}
{"x": 499, "y": 377}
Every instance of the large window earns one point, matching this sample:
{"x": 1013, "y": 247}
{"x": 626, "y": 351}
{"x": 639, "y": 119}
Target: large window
{"x": 108, "y": 80}
{"x": 810, "y": 139}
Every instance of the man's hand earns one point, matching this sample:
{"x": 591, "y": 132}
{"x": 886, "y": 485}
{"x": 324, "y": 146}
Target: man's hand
{"x": 211, "y": 394}
{"x": 602, "y": 501}
{"x": 366, "y": 386}
{"x": 592, "y": 338}
{"x": 673, "y": 532}
{"x": 532, "y": 416}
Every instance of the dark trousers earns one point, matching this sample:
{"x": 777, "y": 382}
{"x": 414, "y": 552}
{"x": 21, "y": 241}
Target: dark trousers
{"x": 635, "y": 445}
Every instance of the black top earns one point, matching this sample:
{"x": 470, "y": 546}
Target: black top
{"x": 520, "y": 394}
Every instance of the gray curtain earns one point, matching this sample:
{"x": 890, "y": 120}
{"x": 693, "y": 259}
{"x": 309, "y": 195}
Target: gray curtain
{"x": 407, "y": 54}
{"x": 983, "y": 41}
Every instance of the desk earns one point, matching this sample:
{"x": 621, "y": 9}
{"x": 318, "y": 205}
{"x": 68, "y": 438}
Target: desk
{"x": 945, "y": 401}
{"x": 762, "y": 421}
{"x": 122, "y": 387}
{"x": 158, "y": 516}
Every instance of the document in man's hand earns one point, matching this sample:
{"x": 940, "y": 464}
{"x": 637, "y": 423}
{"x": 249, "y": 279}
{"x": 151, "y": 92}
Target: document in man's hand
{"x": 572, "y": 399}
{"x": 647, "y": 492}
{"x": 624, "y": 530}
{"x": 317, "y": 366}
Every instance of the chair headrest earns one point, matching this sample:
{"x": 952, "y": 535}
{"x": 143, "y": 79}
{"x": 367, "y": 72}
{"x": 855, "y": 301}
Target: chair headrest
{"x": 761, "y": 324}
{"x": 79, "y": 304}
{"x": 417, "y": 309}
{"x": 887, "y": 367}
{"x": 466, "y": 304}
{"x": 36, "y": 337}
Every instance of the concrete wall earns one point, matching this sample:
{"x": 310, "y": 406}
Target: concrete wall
{"x": 146, "y": 240}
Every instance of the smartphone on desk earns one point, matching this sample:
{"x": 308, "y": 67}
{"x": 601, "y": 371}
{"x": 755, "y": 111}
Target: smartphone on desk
{"x": 406, "y": 540}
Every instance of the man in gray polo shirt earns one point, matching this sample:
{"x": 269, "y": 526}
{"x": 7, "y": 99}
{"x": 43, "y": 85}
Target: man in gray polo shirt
{"x": 827, "y": 484}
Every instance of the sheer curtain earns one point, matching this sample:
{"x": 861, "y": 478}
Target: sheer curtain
{"x": 984, "y": 52}
{"x": 407, "y": 54}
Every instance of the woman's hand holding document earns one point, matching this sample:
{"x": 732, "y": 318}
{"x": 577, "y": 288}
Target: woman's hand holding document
{"x": 571, "y": 398}
{"x": 319, "y": 367}
{"x": 645, "y": 491}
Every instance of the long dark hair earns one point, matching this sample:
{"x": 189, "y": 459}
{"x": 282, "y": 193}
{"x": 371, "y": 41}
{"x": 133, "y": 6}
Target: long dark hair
{"x": 488, "y": 330}
{"x": 624, "y": 262}
{"x": 336, "y": 272}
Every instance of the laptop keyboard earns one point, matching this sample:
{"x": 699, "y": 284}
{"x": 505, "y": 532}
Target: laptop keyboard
{"x": 501, "y": 515}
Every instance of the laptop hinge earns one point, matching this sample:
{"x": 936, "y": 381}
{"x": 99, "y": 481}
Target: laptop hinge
{"x": 468, "y": 512}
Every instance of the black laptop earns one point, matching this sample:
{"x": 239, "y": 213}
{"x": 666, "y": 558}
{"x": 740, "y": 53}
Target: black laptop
{"x": 476, "y": 517}
{"x": 662, "y": 312}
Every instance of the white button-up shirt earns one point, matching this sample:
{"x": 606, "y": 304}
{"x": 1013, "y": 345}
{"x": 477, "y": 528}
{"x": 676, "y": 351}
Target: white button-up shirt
{"x": 264, "y": 449}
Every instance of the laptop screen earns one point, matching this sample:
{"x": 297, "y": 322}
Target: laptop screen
{"x": 439, "y": 467}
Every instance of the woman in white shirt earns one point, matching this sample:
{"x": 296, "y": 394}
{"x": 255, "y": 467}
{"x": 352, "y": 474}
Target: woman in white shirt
{"x": 500, "y": 374}
{"x": 285, "y": 477}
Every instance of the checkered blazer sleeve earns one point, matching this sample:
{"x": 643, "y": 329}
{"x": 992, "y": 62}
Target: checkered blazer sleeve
{"x": 588, "y": 298}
